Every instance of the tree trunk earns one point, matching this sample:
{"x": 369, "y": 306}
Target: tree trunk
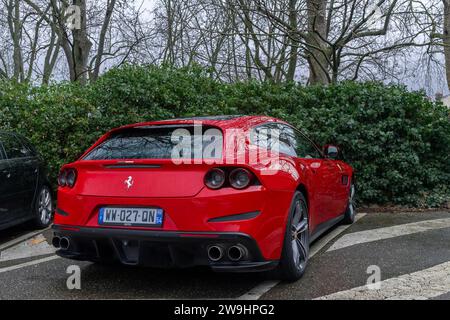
{"x": 446, "y": 39}
{"x": 316, "y": 46}
{"x": 50, "y": 57}
{"x": 169, "y": 49}
{"x": 81, "y": 46}
{"x": 15, "y": 30}
{"x": 293, "y": 54}
{"x": 101, "y": 42}
{"x": 57, "y": 24}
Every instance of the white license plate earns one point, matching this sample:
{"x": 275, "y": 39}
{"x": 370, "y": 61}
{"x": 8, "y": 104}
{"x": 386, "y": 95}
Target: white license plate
{"x": 130, "y": 216}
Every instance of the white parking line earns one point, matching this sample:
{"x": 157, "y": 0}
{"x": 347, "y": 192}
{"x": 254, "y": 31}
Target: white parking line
{"x": 330, "y": 236}
{"x": 27, "y": 264}
{"x": 265, "y": 286}
{"x": 424, "y": 284}
{"x": 36, "y": 246}
{"x": 360, "y": 237}
{"x": 17, "y": 240}
{"x": 258, "y": 291}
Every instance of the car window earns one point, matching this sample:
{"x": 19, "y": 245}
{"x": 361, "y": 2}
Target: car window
{"x": 291, "y": 141}
{"x": 287, "y": 141}
{"x": 32, "y": 150}
{"x": 272, "y": 136}
{"x": 155, "y": 143}
{"x": 265, "y": 136}
{"x": 304, "y": 147}
{"x": 14, "y": 148}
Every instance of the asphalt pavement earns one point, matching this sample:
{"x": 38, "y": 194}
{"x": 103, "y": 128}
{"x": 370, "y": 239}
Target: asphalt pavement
{"x": 406, "y": 253}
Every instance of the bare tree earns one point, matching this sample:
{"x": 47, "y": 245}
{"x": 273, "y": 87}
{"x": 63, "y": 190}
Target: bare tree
{"x": 445, "y": 37}
{"x": 311, "y": 41}
{"x": 78, "y": 41}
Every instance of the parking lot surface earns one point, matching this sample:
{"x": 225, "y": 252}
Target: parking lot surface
{"x": 381, "y": 256}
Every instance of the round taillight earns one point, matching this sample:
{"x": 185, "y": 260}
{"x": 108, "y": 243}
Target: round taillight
{"x": 71, "y": 177}
{"x": 62, "y": 180}
{"x": 240, "y": 178}
{"x": 215, "y": 178}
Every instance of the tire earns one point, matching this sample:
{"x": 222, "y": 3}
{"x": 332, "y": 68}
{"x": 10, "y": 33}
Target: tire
{"x": 43, "y": 209}
{"x": 294, "y": 256}
{"x": 350, "y": 212}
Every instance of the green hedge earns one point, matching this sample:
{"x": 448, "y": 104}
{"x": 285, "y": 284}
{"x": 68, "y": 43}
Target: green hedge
{"x": 398, "y": 141}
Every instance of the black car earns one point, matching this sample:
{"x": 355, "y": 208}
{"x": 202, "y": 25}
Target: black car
{"x": 25, "y": 192}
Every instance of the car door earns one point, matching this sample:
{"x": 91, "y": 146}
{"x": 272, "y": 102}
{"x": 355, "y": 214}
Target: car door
{"x": 11, "y": 201}
{"x": 343, "y": 186}
{"x": 19, "y": 195}
{"x": 30, "y": 171}
{"x": 5, "y": 190}
{"x": 335, "y": 186}
{"x": 320, "y": 175}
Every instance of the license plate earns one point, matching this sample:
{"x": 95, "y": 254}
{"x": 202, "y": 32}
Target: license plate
{"x": 130, "y": 216}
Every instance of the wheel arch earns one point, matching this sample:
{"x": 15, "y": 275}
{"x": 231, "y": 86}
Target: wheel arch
{"x": 42, "y": 181}
{"x": 302, "y": 188}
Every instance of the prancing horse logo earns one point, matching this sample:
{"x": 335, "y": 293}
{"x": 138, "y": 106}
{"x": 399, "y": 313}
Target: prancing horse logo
{"x": 129, "y": 182}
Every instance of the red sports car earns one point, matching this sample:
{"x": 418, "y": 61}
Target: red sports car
{"x": 235, "y": 193}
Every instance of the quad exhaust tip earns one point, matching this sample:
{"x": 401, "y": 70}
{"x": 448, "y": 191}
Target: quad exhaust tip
{"x": 237, "y": 252}
{"x": 64, "y": 243}
{"x": 56, "y": 242}
{"x": 215, "y": 253}
{"x": 234, "y": 253}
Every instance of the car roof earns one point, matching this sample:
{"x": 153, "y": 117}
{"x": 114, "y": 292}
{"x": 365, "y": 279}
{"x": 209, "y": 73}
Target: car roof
{"x": 221, "y": 121}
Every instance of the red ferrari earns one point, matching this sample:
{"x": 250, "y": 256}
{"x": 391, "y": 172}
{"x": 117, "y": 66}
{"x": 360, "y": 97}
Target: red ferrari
{"x": 235, "y": 193}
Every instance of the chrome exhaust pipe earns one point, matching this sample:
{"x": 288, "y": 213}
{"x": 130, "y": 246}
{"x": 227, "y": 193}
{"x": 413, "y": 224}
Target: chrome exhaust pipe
{"x": 215, "y": 253}
{"x": 56, "y": 242}
{"x": 237, "y": 252}
{"x": 64, "y": 243}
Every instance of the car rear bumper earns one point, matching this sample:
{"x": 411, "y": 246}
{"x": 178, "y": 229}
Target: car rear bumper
{"x": 163, "y": 249}
{"x": 256, "y": 211}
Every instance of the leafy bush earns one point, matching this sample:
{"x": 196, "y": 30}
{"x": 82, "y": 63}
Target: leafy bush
{"x": 398, "y": 141}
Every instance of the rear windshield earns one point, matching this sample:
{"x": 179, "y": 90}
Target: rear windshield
{"x": 166, "y": 142}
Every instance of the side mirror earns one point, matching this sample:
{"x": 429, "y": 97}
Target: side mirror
{"x": 331, "y": 151}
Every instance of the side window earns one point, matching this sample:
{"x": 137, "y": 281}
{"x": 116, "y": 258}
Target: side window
{"x": 273, "y": 136}
{"x": 14, "y": 148}
{"x": 305, "y": 148}
{"x": 31, "y": 149}
{"x": 264, "y": 136}
{"x": 287, "y": 141}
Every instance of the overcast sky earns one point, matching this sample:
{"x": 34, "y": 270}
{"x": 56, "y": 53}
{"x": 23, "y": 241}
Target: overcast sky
{"x": 432, "y": 83}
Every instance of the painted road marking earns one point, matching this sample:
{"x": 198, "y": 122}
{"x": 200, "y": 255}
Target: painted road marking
{"x": 36, "y": 246}
{"x": 257, "y": 292}
{"x": 424, "y": 284}
{"x": 332, "y": 235}
{"x": 372, "y": 235}
{"x": 26, "y": 264}
{"x": 265, "y": 286}
{"x": 15, "y": 241}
